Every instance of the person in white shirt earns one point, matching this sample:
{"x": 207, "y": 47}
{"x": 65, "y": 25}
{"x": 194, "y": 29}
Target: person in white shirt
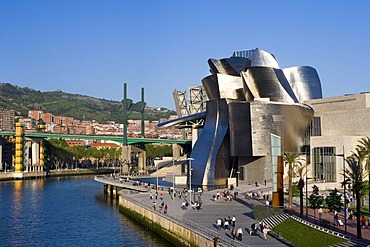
{"x": 239, "y": 232}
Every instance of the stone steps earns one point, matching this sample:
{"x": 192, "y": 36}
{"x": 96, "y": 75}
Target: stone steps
{"x": 275, "y": 220}
{"x": 348, "y": 243}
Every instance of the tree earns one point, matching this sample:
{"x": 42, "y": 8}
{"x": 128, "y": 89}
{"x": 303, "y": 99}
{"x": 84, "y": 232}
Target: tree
{"x": 364, "y": 146}
{"x": 97, "y": 154}
{"x": 315, "y": 200}
{"x": 334, "y": 201}
{"x": 292, "y": 160}
{"x": 356, "y": 174}
{"x": 153, "y": 151}
{"x": 301, "y": 171}
{"x": 56, "y": 152}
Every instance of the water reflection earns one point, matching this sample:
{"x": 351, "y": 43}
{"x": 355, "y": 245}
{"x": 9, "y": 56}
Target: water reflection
{"x": 66, "y": 212}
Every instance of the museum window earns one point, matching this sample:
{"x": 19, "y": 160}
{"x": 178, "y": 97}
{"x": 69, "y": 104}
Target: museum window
{"x": 315, "y": 127}
{"x": 324, "y": 167}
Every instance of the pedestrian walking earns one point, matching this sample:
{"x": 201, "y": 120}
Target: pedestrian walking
{"x": 233, "y": 221}
{"x": 363, "y": 221}
{"x": 320, "y": 214}
{"x": 154, "y": 206}
{"x": 240, "y": 233}
{"x": 218, "y": 222}
{"x": 253, "y": 230}
{"x": 226, "y": 225}
{"x": 336, "y": 218}
{"x": 165, "y": 209}
{"x": 262, "y": 226}
{"x": 265, "y": 231}
{"x": 233, "y": 233}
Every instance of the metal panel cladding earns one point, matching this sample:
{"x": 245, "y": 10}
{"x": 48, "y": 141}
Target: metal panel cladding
{"x": 305, "y": 82}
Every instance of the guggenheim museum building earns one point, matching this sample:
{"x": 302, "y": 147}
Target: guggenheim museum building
{"x": 249, "y": 111}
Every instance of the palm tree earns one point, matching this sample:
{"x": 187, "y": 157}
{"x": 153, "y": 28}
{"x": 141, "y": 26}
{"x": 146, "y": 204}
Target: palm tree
{"x": 356, "y": 174}
{"x": 292, "y": 160}
{"x": 364, "y": 146}
{"x": 301, "y": 171}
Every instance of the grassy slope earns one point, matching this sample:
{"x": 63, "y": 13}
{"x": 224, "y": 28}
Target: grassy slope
{"x": 303, "y": 235}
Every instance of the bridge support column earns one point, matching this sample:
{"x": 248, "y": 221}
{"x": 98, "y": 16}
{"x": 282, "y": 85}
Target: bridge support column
{"x": 41, "y": 156}
{"x": 18, "y": 147}
{"x": 194, "y": 134}
{"x": 142, "y": 162}
{"x": 35, "y": 156}
{"x": 126, "y": 157}
{"x": 26, "y": 161}
{"x": 176, "y": 151}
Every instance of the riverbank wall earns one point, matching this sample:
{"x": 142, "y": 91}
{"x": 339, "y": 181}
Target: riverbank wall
{"x": 78, "y": 172}
{"x": 176, "y": 232}
{"x": 8, "y": 176}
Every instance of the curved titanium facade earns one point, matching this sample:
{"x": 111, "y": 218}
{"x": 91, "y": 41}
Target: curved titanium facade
{"x": 211, "y": 152}
{"x": 270, "y": 83}
{"x": 250, "y": 98}
{"x": 305, "y": 82}
{"x": 221, "y": 86}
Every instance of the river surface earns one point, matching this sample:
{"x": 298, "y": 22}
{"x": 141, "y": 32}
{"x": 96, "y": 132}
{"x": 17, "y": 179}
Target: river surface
{"x": 67, "y": 211}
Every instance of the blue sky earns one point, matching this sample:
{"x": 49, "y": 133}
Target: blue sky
{"x": 93, "y": 47}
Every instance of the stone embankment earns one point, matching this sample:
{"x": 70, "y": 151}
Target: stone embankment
{"x": 10, "y": 175}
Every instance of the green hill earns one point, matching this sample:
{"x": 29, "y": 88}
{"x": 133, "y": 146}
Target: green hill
{"x": 21, "y": 100}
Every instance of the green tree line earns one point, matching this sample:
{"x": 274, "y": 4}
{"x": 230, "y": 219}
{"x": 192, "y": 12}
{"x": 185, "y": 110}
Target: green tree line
{"x": 59, "y": 155}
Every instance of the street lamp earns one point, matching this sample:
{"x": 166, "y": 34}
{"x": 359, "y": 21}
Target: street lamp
{"x": 173, "y": 179}
{"x": 307, "y": 178}
{"x": 190, "y": 173}
{"x": 344, "y": 189}
{"x": 156, "y": 158}
{"x": 237, "y": 178}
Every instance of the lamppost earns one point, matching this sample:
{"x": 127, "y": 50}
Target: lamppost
{"x": 173, "y": 180}
{"x": 190, "y": 173}
{"x": 237, "y": 178}
{"x": 307, "y": 178}
{"x": 344, "y": 189}
{"x": 156, "y": 165}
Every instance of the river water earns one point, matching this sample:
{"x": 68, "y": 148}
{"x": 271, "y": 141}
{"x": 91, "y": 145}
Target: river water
{"x": 67, "y": 211}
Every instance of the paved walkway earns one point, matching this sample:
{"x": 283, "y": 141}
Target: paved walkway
{"x": 241, "y": 208}
{"x": 211, "y": 210}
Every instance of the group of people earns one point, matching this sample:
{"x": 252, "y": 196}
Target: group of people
{"x": 238, "y": 234}
{"x": 226, "y": 195}
{"x": 163, "y": 208}
{"x": 264, "y": 228}
{"x": 197, "y": 205}
{"x": 258, "y": 195}
{"x": 226, "y": 222}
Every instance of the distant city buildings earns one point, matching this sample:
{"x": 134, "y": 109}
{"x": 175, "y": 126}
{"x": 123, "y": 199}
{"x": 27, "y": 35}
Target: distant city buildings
{"x": 6, "y": 120}
{"x": 68, "y": 125}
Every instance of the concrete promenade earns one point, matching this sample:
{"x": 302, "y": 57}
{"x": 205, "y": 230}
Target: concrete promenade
{"x": 240, "y": 207}
{"x": 211, "y": 210}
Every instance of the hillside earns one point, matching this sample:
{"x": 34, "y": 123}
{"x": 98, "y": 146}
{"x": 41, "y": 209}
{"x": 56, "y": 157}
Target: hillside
{"x": 21, "y": 100}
